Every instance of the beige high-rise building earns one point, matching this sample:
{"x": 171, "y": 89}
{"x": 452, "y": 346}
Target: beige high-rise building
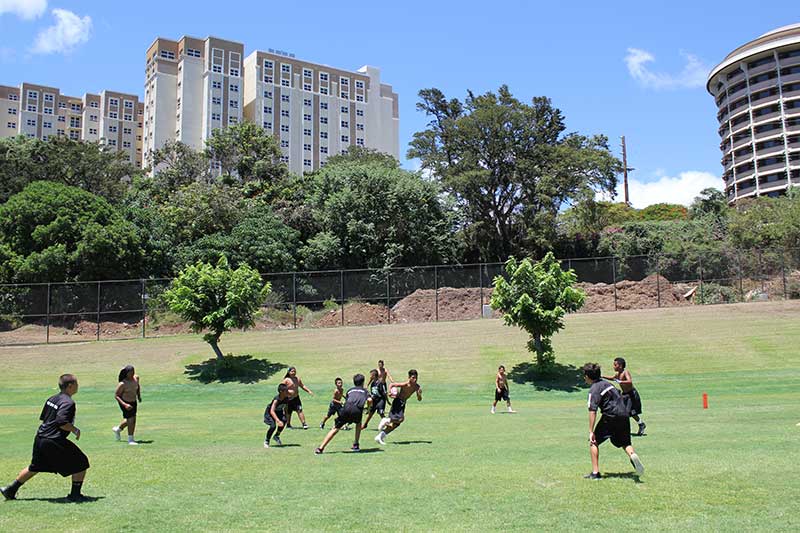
{"x": 39, "y": 111}
{"x": 193, "y": 86}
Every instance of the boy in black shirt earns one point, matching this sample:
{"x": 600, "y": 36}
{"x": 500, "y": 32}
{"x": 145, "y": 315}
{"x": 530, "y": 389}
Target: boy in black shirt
{"x": 275, "y": 415}
{"x": 52, "y": 452}
{"x": 614, "y": 424}
{"x": 355, "y": 400}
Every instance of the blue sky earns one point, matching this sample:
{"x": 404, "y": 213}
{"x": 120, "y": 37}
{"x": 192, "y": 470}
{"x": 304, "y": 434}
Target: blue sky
{"x": 573, "y": 53}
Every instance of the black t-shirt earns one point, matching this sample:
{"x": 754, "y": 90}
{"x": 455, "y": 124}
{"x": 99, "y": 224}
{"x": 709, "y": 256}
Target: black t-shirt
{"x": 605, "y": 396}
{"x": 57, "y": 411}
{"x": 280, "y": 405}
{"x": 355, "y": 399}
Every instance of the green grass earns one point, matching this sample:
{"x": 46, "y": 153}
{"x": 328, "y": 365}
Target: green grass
{"x": 452, "y": 466}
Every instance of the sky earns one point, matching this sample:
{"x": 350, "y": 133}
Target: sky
{"x": 616, "y": 68}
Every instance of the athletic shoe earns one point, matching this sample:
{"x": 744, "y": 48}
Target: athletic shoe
{"x": 79, "y": 498}
{"x": 510, "y": 410}
{"x": 593, "y": 475}
{"x": 305, "y": 426}
{"x": 132, "y": 443}
{"x": 116, "y": 431}
{"x": 383, "y": 423}
{"x": 492, "y": 410}
{"x": 266, "y": 444}
{"x": 355, "y": 448}
{"x": 379, "y": 439}
{"x": 277, "y": 440}
{"x": 642, "y": 425}
{"x": 637, "y": 464}
{"x": 317, "y": 451}
{"x": 8, "y": 494}
{"x": 322, "y": 426}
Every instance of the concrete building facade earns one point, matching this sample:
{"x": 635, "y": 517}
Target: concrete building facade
{"x": 39, "y": 111}
{"x": 757, "y": 92}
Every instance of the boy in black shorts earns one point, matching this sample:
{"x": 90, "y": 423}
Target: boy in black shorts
{"x": 357, "y": 397}
{"x": 629, "y": 392}
{"x": 275, "y": 415}
{"x": 52, "y": 452}
{"x": 377, "y": 390}
{"x": 501, "y": 389}
{"x": 614, "y": 424}
{"x": 335, "y": 407}
{"x": 397, "y": 412}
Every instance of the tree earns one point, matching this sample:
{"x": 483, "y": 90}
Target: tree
{"x": 176, "y": 164}
{"x": 663, "y": 212}
{"x": 247, "y": 153}
{"x": 53, "y": 232}
{"x": 200, "y": 209}
{"x": 510, "y": 167}
{"x": 535, "y": 298}
{"x": 710, "y": 202}
{"x": 216, "y": 298}
{"x": 92, "y": 167}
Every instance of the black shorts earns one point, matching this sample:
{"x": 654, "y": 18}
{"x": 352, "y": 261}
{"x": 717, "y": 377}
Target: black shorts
{"x": 334, "y": 409}
{"x": 378, "y": 404}
{"x": 129, "y": 414}
{"x": 502, "y": 395}
{"x": 398, "y": 410}
{"x": 633, "y": 401}
{"x": 294, "y": 405}
{"x": 268, "y": 420}
{"x": 348, "y": 417}
{"x": 59, "y": 456}
{"x": 616, "y": 428}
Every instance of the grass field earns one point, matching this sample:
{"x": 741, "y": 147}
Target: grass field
{"x": 452, "y": 466}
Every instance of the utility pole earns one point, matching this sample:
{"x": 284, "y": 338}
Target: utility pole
{"x": 625, "y": 170}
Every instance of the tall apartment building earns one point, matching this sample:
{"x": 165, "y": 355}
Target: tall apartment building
{"x": 194, "y": 86}
{"x": 111, "y": 118}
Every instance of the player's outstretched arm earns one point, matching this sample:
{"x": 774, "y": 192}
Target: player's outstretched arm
{"x": 274, "y": 415}
{"x": 302, "y": 386}
{"x": 625, "y": 378}
{"x": 419, "y": 393}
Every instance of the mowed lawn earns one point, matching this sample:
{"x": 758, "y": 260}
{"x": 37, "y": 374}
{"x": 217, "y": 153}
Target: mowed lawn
{"x": 452, "y": 466}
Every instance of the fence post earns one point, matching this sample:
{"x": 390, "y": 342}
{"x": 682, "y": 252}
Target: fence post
{"x": 436, "y": 290}
{"x": 47, "y": 317}
{"x": 98, "y": 310}
{"x": 144, "y": 308}
{"x": 658, "y": 281}
{"x": 480, "y": 284}
{"x": 341, "y": 292}
{"x": 700, "y": 260}
{"x": 614, "y": 279}
{"x": 388, "y": 302}
{"x": 294, "y": 300}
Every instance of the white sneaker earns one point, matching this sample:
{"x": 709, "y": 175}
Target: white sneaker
{"x": 132, "y": 443}
{"x": 492, "y": 410}
{"x": 117, "y": 431}
{"x": 510, "y": 410}
{"x": 383, "y": 423}
{"x": 266, "y": 444}
{"x": 379, "y": 438}
{"x": 637, "y": 464}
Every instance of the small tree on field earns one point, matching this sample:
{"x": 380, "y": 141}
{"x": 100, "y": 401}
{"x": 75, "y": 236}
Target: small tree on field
{"x": 535, "y": 297}
{"x": 217, "y": 298}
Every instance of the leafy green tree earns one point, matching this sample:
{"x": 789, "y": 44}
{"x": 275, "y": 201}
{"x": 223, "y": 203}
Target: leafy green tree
{"x": 510, "y": 166}
{"x": 710, "y": 202}
{"x": 176, "y": 164}
{"x": 200, "y": 209}
{"x": 217, "y": 298}
{"x": 662, "y": 212}
{"x": 53, "y": 232}
{"x": 766, "y": 223}
{"x": 535, "y": 297}
{"x": 371, "y": 213}
{"x": 247, "y": 153}
{"x": 89, "y": 166}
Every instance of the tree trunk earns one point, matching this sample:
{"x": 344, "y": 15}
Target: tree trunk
{"x": 215, "y": 346}
{"x": 537, "y": 343}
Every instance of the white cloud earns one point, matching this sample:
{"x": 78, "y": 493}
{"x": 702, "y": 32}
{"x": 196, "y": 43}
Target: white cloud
{"x": 681, "y": 189}
{"x": 24, "y": 9}
{"x": 69, "y": 31}
{"x": 693, "y": 75}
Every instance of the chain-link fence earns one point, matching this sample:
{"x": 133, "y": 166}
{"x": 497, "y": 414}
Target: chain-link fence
{"x": 79, "y": 311}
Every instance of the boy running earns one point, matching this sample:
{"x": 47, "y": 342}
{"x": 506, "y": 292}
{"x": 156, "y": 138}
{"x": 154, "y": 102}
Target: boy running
{"x": 501, "y": 389}
{"x": 357, "y": 397}
{"x": 614, "y": 424}
{"x": 275, "y": 415}
{"x": 335, "y": 407}
{"x": 128, "y": 394}
{"x": 397, "y": 413}
{"x": 629, "y": 392}
{"x": 52, "y": 452}
{"x": 294, "y": 383}
{"x": 377, "y": 392}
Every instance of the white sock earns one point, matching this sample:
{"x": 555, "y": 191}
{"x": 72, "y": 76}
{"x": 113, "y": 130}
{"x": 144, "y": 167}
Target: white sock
{"x": 130, "y": 438}
{"x": 382, "y": 435}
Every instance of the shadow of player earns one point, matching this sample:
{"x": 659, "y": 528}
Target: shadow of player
{"x": 362, "y": 450}
{"x": 63, "y": 499}
{"x": 405, "y": 442}
{"x": 624, "y": 475}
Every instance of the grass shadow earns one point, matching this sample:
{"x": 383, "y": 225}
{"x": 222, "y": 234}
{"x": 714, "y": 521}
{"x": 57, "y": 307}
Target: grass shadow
{"x": 233, "y": 368}
{"x": 567, "y": 378}
{"x": 63, "y": 500}
{"x": 404, "y": 442}
{"x": 351, "y": 452}
{"x": 290, "y": 445}
{"x": 624, "y": 475}
{"x": 145, "y": 441}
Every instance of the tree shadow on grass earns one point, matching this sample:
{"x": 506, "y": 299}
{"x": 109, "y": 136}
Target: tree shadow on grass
{"x": 233, "y": 368}
{"x": 565, "y": 378}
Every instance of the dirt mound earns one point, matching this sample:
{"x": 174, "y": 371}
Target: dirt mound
{"x": 454, "y": 304}
{"x": 642, "y": 294}
{"x": 355, "y": 314}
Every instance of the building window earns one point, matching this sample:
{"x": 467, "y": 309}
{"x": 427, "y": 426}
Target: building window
{"x": 323, "y": 120}
{"x": 216, "y": 116}
{"x": 359, "y": 141}
{"x": 48, "y": 110}
{"x": 267, "y": 110}
{"x": 285, "y": 113}
{"x": 234, "y": 104}
{"x": 307, "y": 131}
{"x": 360, "y": 127}
{"x": 323, "y": 76}
{"x": 32, "y": 108}
{"x": 268, "y": 64}
{"x": 233, "y": 120}
{"x": 92, "y": 118}
{"x": 323, "y": 149}
{"x": 345, "y": 139}
{"x": 285, "y": 83}
{"x": 284, "y": 98}
{"x": 359, "y": 84}
{"x": 306, "y": 116}
{"x": 323, "y": 90}
{"x": 62, "y": 118}
{"x": 15, "y": 97}
{"x": 11, "y": 124}
{"x": 323, "y": 105}
{"x": 45, "y": 137}
{"x": 306, "y": 162}
{"x": 307, "y": 147}
{"x": 216, "y": 100}
{"x": 113, "y": 101}
{"x": 47, "y": 125}
{"x": 285, "y": 128}
{"x": 112, "y": 129}
{"x": 94, "y": 104}
{"x": 345, "y": 124}
{"x": 191, "y": 52}
{"x": 267, "y": 94}
{"x": 344, "y": 95}
{"x": 323, "y": 135}
{"x": 113, "y": 114}
{"x": 92, "y": 131}
{"x": 33, "y": 95}
{"x": 284, "y": 143}
{"x": 267, "y": 125}
{"x": 12, "y": 110}
{"x": 234, "y": 72}
{"x": 48, "y": 97}
{"x": 74, "y": 122}
{"x": 344, "y": 82}
{"x": 217, "y": 69}
{"x": 359, "y": 112}
{"x": 284, "y": 159}
{"x": 307, "y": 102}
{"x": 128, "y": 117}
{"x": 359, "y": 98}
{"x": 307, "y": 87}
{"x": 286, "y": 68}
{"x": 167, "y": 54}
{"x": 268, "y": 79}
{"x": 60, "y": 132}
{"x": 345, "y": 109}
{"x": 112, "y": 142}
{"x": 307, "y": 73}
{"x": 126, "y": 144}
{"x": 216, "y": 85}
{"x": 128, "y": 104}
{"x": 234, "y": 87}
{"x": 127, "y": 131}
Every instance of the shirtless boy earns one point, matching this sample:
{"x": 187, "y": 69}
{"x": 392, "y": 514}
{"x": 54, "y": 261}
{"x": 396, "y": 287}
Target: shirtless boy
{"x": 294, "y": 384}
{"x": 397, "y": 412}
{"x": 127, "y": 394}
{"x": 629, "y": 392}
{"x": 335, "y": 407}
{"x": 501, "y": 389}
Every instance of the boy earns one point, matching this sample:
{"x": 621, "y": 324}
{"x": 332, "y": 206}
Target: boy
{"x": 357, "y": 397}
{"x": 377, "y": 392}
{"x": 275, "y": 415}
{"x": 128, "y": 394}
{"x": 614, "y": 424}
{"x": 335, "y": 407}
{"x": 629, "y": 392}
{"x": 52, "y": 452}
{"x": 397, "y": 412}
{"x": 295, "y": 383}
{"x": 501, "y": 389}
